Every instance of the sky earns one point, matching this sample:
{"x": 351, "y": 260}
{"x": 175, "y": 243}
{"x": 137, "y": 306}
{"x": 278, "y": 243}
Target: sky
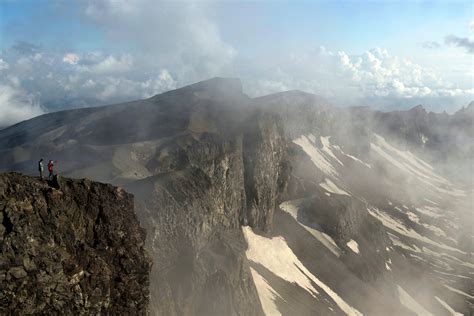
{"x": 60, "y": 54}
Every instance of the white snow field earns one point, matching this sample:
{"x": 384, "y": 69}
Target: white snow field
{"x": 275, "y": 255}
{"x": 318, "y": 156}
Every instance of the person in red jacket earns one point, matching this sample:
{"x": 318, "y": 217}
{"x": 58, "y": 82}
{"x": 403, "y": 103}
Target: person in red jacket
{"x": 50, "y": 168}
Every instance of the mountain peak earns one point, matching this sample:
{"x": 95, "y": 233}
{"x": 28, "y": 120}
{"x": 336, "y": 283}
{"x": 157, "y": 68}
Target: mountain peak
{"x": 217, "y": 85}
{"x": 418, "y": 108}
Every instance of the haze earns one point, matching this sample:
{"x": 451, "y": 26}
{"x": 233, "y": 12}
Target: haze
{"x": 386, "y": 54}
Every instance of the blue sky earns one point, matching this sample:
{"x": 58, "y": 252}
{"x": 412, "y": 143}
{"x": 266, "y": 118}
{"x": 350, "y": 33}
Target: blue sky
{"x": 389, "y": 54}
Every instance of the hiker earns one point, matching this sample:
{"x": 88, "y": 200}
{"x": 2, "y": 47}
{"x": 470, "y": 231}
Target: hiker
{"x": 50, "y": 168}
{"x": 41, "y": 168}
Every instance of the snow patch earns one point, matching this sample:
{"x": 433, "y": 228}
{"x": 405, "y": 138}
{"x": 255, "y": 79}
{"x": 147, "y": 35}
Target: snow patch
{"x": 317, "y": 156}
{"x": 413, "y": 217}
{"x": 275, "y": 255}
{"x": 266, "y": 294}
{"x": 448, "y": 308}
{"x": 400, "y": 228}
{"x": 458, "y": 291}
{"x": 412, "y": 165}
{"x": 327, "y": 148}
{"x": 352, "y": 157}
{"x": 332, "y": 187}
{"x": 291, "y": 208}
{"x": 353, "y": 245}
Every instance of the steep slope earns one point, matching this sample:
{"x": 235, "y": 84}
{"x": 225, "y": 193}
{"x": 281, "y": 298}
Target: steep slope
{"x": 281, "y": 204}
{"x": 202, "y": 161}
{"x": 73, "y": 247}
{"x": 446, "y": 140}
{"x": 366, "y": 223}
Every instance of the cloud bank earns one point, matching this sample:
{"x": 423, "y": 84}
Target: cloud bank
{"x": 162, "y": 45}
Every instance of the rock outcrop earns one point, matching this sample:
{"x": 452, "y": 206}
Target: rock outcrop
{"x": 70, "y": 247}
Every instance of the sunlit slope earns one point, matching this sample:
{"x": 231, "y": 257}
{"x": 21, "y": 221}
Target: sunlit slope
{"x": 388, "y": 226}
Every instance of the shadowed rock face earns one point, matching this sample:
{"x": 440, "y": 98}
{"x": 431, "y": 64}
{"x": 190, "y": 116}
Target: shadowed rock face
{"x": 224, "y": 177}
{"x": 74, "y": 249}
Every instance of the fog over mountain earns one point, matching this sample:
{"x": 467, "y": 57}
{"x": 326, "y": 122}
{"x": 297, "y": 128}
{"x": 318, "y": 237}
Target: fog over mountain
{"x": 282, "y": 204}
{"x": 223, "y": 158}
{"x": 87, "y": 53}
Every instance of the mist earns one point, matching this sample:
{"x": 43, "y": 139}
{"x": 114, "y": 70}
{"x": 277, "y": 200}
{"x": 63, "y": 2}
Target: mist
{"x": 128, "y": 51}
{"x": 283, "y": 159}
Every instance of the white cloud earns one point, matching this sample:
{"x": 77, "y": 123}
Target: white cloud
{"x": 174, "y": 44}
{"x": 109, "y": 65}
{"x": 373, "y": 74}
{"x": 71, "y": 59}
{"x": 16, "y": 105}
{"x": 174, "y": 35}
{"x": 3, "y": 65}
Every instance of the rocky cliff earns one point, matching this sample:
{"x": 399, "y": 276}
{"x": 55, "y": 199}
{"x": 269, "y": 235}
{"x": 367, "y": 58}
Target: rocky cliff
{"x": 70, "y": 247}
{"x": 224, "y": 169}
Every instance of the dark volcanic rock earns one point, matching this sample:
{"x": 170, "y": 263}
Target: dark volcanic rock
{"x": 70, "y": 248}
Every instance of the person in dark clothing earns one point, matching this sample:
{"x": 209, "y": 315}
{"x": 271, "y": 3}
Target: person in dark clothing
{"x": 41, "y": 168}
{"x": 50, "y": 169}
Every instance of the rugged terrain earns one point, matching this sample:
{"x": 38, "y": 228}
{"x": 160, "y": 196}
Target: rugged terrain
{"x": 282, "y": 204}
{"x": 70, "y": 247}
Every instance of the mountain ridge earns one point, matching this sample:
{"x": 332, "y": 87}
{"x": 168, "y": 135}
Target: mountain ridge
{"x": 220, "y": 178}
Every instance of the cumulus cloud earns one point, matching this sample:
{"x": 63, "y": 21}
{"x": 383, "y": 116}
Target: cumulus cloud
{"x": 16, "y": 105}
{"x": 108, "y": 65}
{"x": 354, "y": 78}
{"x": 3, "y": 65}
{"x": 165, "y": 45}
{"x": 174, "y": 35}
{"x": 71, "y": 59}
{"x": 58, "y": 81}
{"x": 463, "y": 42}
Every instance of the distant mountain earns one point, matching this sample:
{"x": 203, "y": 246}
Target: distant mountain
{"x": 281, "y": 204}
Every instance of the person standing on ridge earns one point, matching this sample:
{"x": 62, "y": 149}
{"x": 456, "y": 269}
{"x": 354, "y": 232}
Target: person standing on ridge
{"x": 41, "y": 168}
{"x": 50, "y": 169}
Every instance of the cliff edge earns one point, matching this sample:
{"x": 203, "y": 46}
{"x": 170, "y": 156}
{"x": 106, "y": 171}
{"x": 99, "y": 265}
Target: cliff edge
{"x": 73, "y": 247}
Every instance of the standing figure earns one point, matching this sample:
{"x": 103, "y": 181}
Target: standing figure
{"x": 41, "y": 168}
{"x": 50, "y": 169}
